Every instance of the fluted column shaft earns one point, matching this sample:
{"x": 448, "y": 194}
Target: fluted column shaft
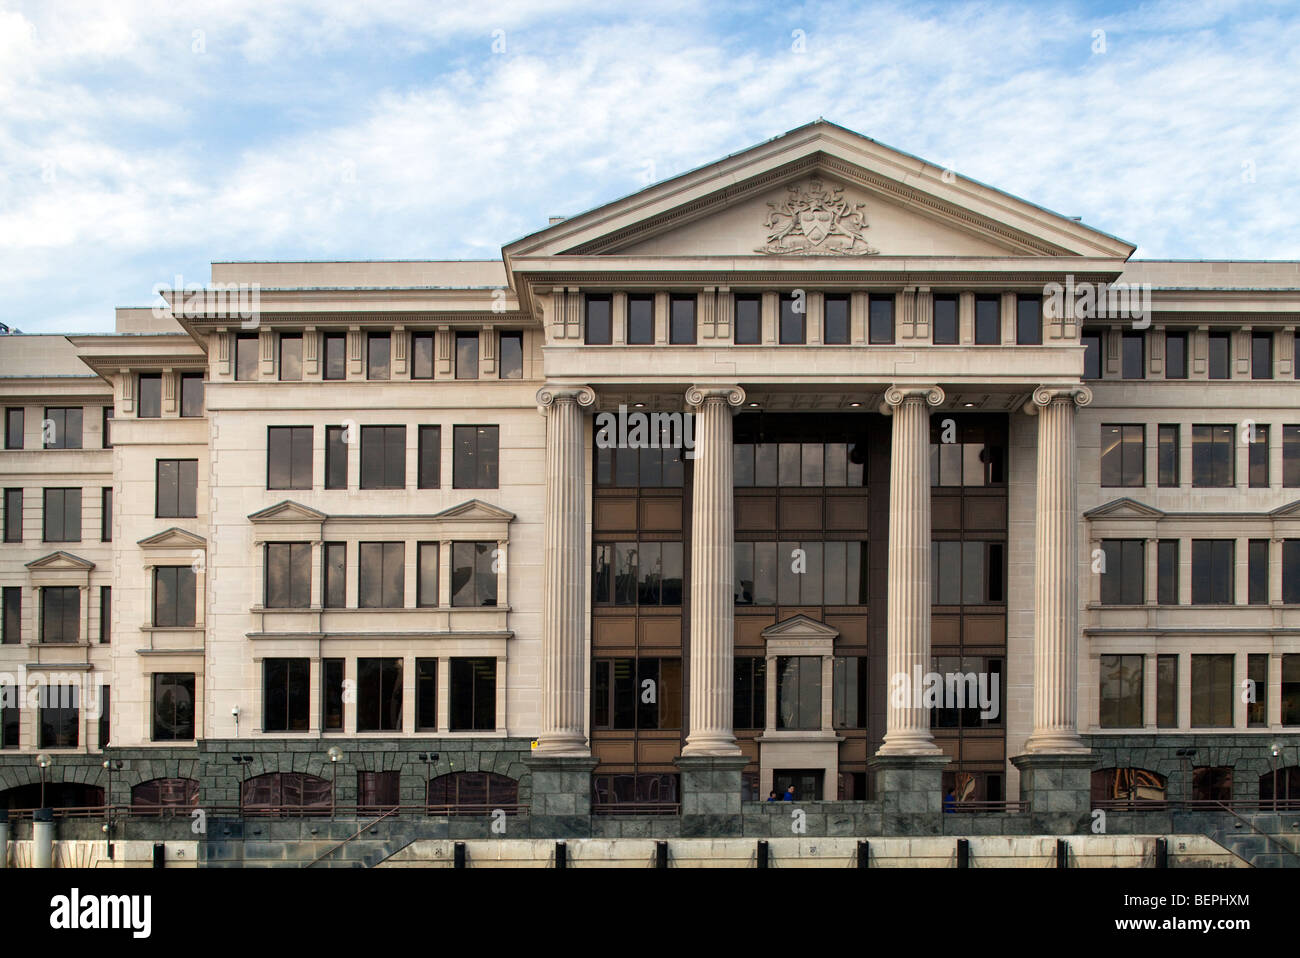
{"x": 1056, "y": 574}
{"x": 907, "y": 727}
{"x": 564, "y": 645}
{"x": 713, "y": 549}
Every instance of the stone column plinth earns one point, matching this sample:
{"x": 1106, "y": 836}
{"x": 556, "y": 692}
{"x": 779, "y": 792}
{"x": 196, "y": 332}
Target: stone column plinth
{"x": 711, "y": 795}
{"x": 564, "y": 580}
{"x": 713, "y": 571}
{"x": 907, "y": 728}
{"x": 1056, "y": 575}
{"x": 1057, "y": 791}
{"x": 561, "y": 796}
{"x": 910, "y": 791}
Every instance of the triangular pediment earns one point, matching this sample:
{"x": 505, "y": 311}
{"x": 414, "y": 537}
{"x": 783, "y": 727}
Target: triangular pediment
{"x": 174, "y": 538}
{"x": 475, "y": 510}
{"x": 61, "y": 560}
{"x": 288, "y": 511}
{"x": 1124, "y": 508}
{"x": 820, "y": 190}
{"x": 1288, "y": 511}
{"x": 800, "y": 627}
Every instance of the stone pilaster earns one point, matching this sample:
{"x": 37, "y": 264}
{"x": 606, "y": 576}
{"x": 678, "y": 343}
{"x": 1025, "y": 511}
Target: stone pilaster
{"x": 907, "y": 728}
{"x": 712, "y": 574}
{"x": 1056, "y": 574}
{"x": 564, "y": 646}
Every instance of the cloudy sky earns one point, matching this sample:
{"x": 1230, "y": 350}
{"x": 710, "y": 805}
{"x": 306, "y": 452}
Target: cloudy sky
{"x": 143, "y": 139}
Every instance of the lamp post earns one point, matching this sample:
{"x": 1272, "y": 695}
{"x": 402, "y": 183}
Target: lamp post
{"x": 427, "y": 758}
{"x": 44, "y": 761}
{"x": 335, "y": 755}
{"x": 109, "y": 766}
{"x": 243, "y": 761}
{"x": 1274, "y": 752}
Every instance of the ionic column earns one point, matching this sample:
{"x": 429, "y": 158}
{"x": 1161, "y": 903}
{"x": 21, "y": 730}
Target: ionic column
{"x": 907, "y": 728}
{"x": 1056, "y": 574}
{"x": 713, "y": 570}
{"x": 564, "y": 649}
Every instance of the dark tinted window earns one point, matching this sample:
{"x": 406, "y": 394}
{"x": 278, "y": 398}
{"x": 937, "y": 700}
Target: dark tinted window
{"x": 1123, "y": 580}
{"x": 192, "y": 395}
{"x": 1261, "y": 355}
{"x": 880, "y": 318}
{"x": 13, "y": 515}
{"x": 1123, "y": 455}
{"x": 1291, "y": 571}
{"x": 332, "y": 694}
{"x": 381, "y": 582}
{"x": 1212, "y": 571}
{"x": 794, "y": 310}
{"x": 945, "y": 320}
{"x": 335, "y": 559}
{"x": 290, "y": 357}
{"x": 988, "y": 320}
{"x": 422, "y": 356}
{"x": 379, "y": 354}
{"x": 246, "y": 357}
{"x": 288, "y": 575}
{"x": 1168, "y": 455}
{"x": 749, "y": 320}
{"x": 336, "y": 346}
{"x": 62, "y": 428}
{"x": 473, "y": 691}
{"x": 510, "y": 356}
{"x": 1258, "y": 459}
{"x": 14, "y": 427}
{"x": 173, "y": 596}
{"x": 599, "y": 327}
{"x": 1257, "y": 572}
{"x": 176, "y": 484}
{"x": 173, "y": 706}
{"x": 1133, "y": 356}
{"x": 149, "y": 403}
{"x": 59, "y": 716}
{"x": 1167, "y": 572}
{"x": 1220, "y": 356}
{"x": 286, "y": 693}
{"x": 473, "y": 574}
{"x": 681, "y": 327}
{"x": 430, "y": 463}
{"x": 1029, "y": 320}
{"x": 379, "y": 695}
{"x": 383, "y": 457}
{"x": 467, "y": 355}
{"x": 640, "y": 320}
{"x": 426, "y": 583}
{"x": 12, "y": 597}
{"x": 336, "y": 457}
{"x": 288, "y": 457}
{"x": 836, "y": 323}
{"x": 1091, "y": 341}
{"x": 62, "y": 515}
{"x": 1212, "y": 456}
{"x": 60, "y": 614}
{"x": 474, "y": 457}
{"x": 426, "y": 695}
{"x": 1175, "y": 355}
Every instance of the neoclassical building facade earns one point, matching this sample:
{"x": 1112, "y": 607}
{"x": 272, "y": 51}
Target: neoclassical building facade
{"x": 817, "y": 468}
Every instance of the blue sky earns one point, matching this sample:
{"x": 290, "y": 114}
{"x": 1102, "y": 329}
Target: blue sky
{"x": 143, "y": 139}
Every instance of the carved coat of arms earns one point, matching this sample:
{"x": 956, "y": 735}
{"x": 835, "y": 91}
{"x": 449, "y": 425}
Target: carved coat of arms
{"x": 817, "y": 220}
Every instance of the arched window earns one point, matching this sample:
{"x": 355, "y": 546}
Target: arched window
{"x": 158, "y": 796}
{"x": 1111, "y": 785}
{"x": 476, "y": 793}
{"x": 57, "y": 795}
{"x": 1288, "y": 786}
{"x": 287, "y": 793}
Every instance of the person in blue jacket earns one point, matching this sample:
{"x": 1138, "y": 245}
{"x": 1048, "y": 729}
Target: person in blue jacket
{"x": 789, "y": 795}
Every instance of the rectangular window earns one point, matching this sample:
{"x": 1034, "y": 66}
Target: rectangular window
{"x": 966, "y": 573}
{"x": 473, "y": 695}
{"x": 640, "y": 320}
{"x": 1258, "y": 466}
{"x": 600, "y": 329}
{"x": 336, "y": 457}
{"x": 246, "y": 357}
{"x": 176, "y": 484}
{"x": 12, "y": 596}
{"x": 988, "y": 320}
{"x": 510, "y": 356}
{"x": 63, "y": 428}
{"x": 798, "y": 692}
{"x": 1212, "y": 456}
{"x": 1257, "y": 699}
{"x": 426, "y": 581}
{"x": 1168, "y": 454}
{"x": 58, "y": 716}
{"x": 794, "y": 310}
{"x": 173, "y": 597}
{"x": 1212, "y": 691}
{"x": 335, "y": 348}
{"x": 286, "y": 693}
{"x": 1123, "y": 580}
{"x": 426, "y": 695}
{"x": 1123, "y": 455}
{"x": 288, "y": 575}
{"x": 379, "y": 695}
{"x": 10, "y": 716}
{"x": 290, "y": 357}
{"x": 288, "y": 457}
{"x": 379, "y": 356}
{"x": 681, "y": 325}
{"x": 1220, "y": 356}
{"x": 149, "y": 401}
{"x": 422, "y": 355}
{"x": 334, "y": 594}
{"x": 1166, "y": 691}
{"x": 1290, "y": 690}
{"x": 880, "y": 318}
{"x": 105, "y": 714}
{"x": 749, "y": 692}
{"x": 173, "y": 706}
{"x": 749, "y": 320}
{"x": 1121, "y": 691}
{"x": 62, "y": 515}
{"x": 945, "y": 320}
{"x": 1091, "y": 342}
{"x": 383, "y": 457}
{"x": 1261, "y": 355}
{"x": 467, "y": 355}
{"x": 333, "y": 671}
{"x": 473, "y": 574}
{"x": 14, "y": 416}
{"x": 1167, "y": 572}
{"x": 105, "y": 428}
{"x": 836, "y": 320}
{"x": 1291, "y": 571}
{"x": 191, "y": 395}
{"x": 1257, "y": 572}
{"x": 474, "y": 459}
{"x": 1133, "y": 359}
{"x": 430, "y": 457}
{"x": 1029, "y": 320}
{"x": 1175, "y": 355}
{"x": 105, "y": 614}
{"x": 13, "y": 515}
{"x": 1291, "y": 456}
{"x": 1213, "y": 571}
{"x": 849, "y": 699}
{"x": 632, "y": 573}
{"x": 381, "y": 576}
{"x": 630, "y": 693}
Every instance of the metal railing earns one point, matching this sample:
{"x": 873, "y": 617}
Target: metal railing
{"x": 410, "y": 809}
{"x": 1199, "y": 805}
{"x": 636, "y": 808}
{"x": 977, "y": 807}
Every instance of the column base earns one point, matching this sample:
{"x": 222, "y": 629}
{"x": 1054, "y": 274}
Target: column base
{"x": 711, "y": 795}
{"x": 1057, "y": 790}
{"x": 910, "y": 791}
{"x": 561, "y": 804}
